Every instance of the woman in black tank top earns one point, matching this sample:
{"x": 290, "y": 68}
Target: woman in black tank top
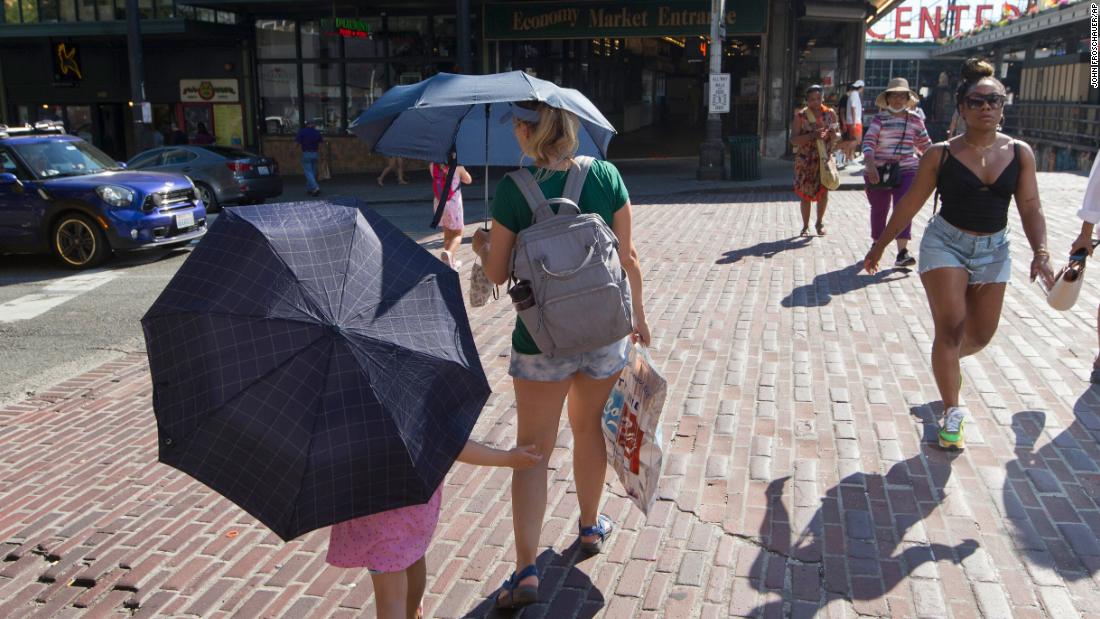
{"x": 964, "y": 254}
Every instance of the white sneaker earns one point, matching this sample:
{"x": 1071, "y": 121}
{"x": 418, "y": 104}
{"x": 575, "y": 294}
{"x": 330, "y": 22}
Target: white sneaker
{"x": 447, "y": 258}
{"x": 951, "y": 434}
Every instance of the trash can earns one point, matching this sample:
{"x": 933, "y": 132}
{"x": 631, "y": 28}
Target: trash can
{"x": 744, "y": 157}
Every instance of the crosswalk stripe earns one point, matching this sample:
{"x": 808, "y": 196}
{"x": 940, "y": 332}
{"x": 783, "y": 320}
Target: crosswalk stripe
{"x": 53, "y": 295}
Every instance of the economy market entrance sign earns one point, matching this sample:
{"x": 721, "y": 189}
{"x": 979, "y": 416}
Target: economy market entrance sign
{"x": 640, "y": 18}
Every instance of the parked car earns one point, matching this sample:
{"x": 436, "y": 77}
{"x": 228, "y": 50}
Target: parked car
{"x": 221, "y": 174}
{"x": 61, "y": 195}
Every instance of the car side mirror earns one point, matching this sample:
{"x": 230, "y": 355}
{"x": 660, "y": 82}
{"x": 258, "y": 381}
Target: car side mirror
{"x": 8, "y": 179}
{"x": 121, "y": 164}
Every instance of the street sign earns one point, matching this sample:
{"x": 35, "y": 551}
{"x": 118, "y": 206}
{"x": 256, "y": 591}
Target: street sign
{"x": 719, "y": 93}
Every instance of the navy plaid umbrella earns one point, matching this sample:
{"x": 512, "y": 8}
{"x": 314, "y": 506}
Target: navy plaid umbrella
{"x": 313, "y": 364}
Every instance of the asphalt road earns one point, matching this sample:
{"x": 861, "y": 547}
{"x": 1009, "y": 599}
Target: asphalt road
{"x": 97, "y": 313}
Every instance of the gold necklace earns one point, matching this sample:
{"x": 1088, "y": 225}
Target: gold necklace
{"x": 981, "y": 149}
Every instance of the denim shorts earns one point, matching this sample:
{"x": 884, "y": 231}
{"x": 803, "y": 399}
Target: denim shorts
{"x": 985, "y": 258}
{"x": 600, "y": 363}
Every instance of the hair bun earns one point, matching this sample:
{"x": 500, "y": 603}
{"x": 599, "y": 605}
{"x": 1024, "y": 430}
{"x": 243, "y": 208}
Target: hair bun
{"x": 976, "y": 69}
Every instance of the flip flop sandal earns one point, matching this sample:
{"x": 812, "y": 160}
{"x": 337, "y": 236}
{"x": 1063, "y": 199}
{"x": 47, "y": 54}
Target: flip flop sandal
{"x": 820, "y": 229}
{"x": 805, "y": 231}
{"x": 603, "y": 528}
{"x": 517, "y": 595}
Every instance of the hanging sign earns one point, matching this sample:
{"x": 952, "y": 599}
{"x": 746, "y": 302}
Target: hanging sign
{"x": 209, "y": 91}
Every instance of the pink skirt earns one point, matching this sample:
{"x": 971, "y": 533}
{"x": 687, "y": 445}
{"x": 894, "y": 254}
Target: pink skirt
{"x": 453, "y": 217}
{"x": 388, "y": 541}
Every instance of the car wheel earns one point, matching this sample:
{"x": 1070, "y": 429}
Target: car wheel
{"x": 78, "y": 243}
{"x": 206, "y": 194}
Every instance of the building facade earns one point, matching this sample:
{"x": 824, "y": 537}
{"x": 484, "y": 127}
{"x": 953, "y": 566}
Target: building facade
{"x": 250, "y": 72}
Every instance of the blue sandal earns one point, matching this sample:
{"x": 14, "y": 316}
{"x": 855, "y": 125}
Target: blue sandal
{"x": 603, "y": 528}
{"x": 517, "y": 595}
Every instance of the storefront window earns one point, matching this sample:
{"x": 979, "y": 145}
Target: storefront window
{"x": 30, "y": 11}
{"x": 371, "y": 46}
{"x": 322, "y": 96}
{"x": 106, "y": 10}
{"x": 279, "y": 97}
{"x": 366, "y": 82}
{"x": 78, "y": 121}
{"x": 68, "y": 10}
{"x": 407, "y": 36}
{"x": 318, "y": 44}
{"x": 446, "y": 41}
{"x": 275, "y": 38}
{"x": 86, "y": 9}
{"x": 11, "y": 11}
{"x": 165, "y": 8}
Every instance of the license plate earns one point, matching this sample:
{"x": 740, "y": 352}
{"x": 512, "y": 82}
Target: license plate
{"x": 264, "y": 170}
{"x": 185, "y": 220}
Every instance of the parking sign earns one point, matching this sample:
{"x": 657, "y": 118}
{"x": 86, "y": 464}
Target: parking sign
{"x": 719, "y": 93}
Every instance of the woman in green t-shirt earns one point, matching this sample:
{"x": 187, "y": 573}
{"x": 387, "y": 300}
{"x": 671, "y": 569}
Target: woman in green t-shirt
{"x": 549, "y": 136}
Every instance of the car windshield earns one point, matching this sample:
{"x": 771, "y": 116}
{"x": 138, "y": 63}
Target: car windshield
{"x": 64, "y": 158}
{"x": 229, "y": 153}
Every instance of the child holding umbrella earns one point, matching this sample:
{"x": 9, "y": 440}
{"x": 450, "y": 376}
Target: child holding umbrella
{"x": 392, "y": 544}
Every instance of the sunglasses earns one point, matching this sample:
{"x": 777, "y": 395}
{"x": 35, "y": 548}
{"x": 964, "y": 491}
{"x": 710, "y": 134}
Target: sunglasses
{"x": 995, "y": 101}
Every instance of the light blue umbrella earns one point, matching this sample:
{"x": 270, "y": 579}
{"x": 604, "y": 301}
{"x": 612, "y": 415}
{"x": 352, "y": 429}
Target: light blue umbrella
{"x": 424, "y": 120}
{"x": 469, "y": 115}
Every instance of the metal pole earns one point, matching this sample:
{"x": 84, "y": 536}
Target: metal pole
{"x": 463, "y": 32}
{"x": 711, "y": 153}
{"x": 137, "y": 74}
{"x": 488, "y": 106}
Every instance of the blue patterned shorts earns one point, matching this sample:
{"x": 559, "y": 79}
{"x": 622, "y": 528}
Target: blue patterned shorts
{"x": 600, "y": 363}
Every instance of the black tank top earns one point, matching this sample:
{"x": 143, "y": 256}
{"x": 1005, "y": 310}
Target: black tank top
{"x": 970, "y": 204}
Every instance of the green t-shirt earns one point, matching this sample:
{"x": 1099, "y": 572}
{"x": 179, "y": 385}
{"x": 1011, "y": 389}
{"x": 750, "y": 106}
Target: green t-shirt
{"x": 603, "y": 193}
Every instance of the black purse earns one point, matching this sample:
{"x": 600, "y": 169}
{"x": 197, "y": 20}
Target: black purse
{"x": 889, "y": 175}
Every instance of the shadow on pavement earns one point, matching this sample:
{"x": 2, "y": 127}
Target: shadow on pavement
{"x": 851, "y": 520}
{"x": 821, "y": 290}
{"x": 1065, "y": 544}
{"x": 766, "y": 249}
{"x": 564, "y": 590}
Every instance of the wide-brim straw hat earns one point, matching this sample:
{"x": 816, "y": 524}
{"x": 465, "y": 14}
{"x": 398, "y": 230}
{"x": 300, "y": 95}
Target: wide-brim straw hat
{"x": 898, "y": 84}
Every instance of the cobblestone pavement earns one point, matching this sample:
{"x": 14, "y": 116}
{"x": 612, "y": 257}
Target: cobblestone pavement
{"x": 801, "y": 476}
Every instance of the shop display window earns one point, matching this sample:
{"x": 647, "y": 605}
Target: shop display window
{"x": 279, "y": 98}
{"x": 319, "y": 44}
{"x": 371, "y": 46}
{"x": 365, "y": 83}
{"x": 445, "y": 39}
{"x": 321, "y": 84}
{"x": 408, "y": 36}
{"x": 275, "y": 38}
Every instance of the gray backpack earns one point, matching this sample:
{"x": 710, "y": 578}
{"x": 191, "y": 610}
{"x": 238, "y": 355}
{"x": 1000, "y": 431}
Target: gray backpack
{"x": 571, "y": 259}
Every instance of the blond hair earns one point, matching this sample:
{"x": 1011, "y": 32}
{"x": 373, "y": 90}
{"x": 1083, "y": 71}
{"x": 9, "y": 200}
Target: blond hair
{"x": 554, "y": 137}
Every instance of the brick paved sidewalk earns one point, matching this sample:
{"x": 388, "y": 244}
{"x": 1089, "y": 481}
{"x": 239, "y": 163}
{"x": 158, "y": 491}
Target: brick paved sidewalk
{"x": 801, "y": 475}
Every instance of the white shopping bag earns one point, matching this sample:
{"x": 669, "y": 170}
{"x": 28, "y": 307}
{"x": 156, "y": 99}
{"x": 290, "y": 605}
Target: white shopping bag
{"x": 632, "y": 428}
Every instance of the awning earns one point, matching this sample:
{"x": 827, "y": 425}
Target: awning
{"x": 882, "y": 9}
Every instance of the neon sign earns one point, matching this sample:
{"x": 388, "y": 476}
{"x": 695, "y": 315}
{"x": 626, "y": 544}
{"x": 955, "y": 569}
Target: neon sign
{"x": 347, "y": 27}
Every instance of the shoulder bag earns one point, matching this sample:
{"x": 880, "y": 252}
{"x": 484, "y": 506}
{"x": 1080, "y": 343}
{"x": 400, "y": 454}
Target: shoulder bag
{"x": 828, "y": 172}
{"x": 889, "y": 175}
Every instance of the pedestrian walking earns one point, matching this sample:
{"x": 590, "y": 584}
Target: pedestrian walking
{"x": 203, "y": 137}
{"x": 176, "y": 137}
{"x": 309, "y": 139}
{"x": 391, "y": 544}
{"x": 895, "y": 140}
{"x": 549, "y": 136}
{"x": 393, "y": 163}
{"x": 851, "y": 116}
{"x": 813, "y": 122}
{"x": 453, "y": 220}
{"x": 964, "y": 255}
{"x": 1090, "y": 215}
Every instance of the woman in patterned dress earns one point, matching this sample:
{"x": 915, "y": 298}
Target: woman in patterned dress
{"x": 807, "y": 170}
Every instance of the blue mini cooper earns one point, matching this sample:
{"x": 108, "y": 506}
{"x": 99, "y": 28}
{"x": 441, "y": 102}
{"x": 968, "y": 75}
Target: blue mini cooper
{"x": 61, "y": 195}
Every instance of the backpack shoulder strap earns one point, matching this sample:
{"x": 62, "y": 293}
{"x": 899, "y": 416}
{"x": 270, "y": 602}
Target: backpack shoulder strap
{"x": 529, "y": 188}
{"x": 574, "y": 181}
